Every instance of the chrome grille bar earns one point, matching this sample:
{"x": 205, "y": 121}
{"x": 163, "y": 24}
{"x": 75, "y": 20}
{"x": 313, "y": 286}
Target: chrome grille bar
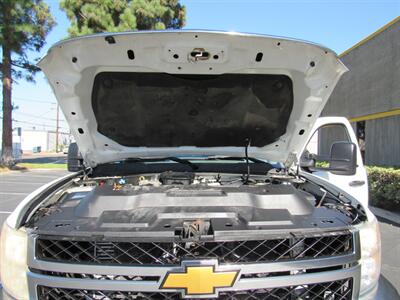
{"x": 171, "y": 253}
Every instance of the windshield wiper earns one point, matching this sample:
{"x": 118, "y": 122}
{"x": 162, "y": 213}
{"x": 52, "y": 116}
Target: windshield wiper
{"x": 239, "y": 158}
{"x": 187, "y": 162}
{"x": 159, "y": 159}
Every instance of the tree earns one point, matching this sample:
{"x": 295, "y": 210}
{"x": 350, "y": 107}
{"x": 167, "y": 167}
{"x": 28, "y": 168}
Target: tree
{"x": 92, "y": 16}
{"x": 24, "y": 25}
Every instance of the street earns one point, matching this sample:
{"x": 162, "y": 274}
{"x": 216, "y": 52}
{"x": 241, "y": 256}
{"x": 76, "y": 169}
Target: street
{"x": 14, "y": 186}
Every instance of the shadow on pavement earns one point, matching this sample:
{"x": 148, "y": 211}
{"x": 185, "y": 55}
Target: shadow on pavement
{"x": 387, "y": 221}
{"x": 46, "y": 160}
{"x": 386, "y": 290}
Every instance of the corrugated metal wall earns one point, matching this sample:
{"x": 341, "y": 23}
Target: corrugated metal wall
{"x": 372, "y": 86}
{"x": 327, "y": 135}
{"x": 382, "y": 141}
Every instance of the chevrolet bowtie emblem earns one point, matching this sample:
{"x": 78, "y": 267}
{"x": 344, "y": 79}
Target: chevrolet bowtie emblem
{"x": 199, "y": 278}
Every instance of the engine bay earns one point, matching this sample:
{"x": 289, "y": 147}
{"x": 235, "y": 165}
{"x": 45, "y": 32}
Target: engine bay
{"x": 186, "y": 205}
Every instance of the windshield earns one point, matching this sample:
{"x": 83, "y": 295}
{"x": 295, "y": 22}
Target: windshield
{"x": 164, "y": 110}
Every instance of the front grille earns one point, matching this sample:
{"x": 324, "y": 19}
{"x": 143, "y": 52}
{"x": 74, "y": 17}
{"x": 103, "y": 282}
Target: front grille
{"x": 334, "y": 290}
{"x": 96, "y": 276}
{"x": 171, "y": 253}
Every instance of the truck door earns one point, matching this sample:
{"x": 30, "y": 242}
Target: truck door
{"x": 327, "y": 135}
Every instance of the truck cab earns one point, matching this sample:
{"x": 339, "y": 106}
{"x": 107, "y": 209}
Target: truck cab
{"x": 201, "y": 169}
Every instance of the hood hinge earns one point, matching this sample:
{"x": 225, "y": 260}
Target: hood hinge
{"x": 291, "y": 163}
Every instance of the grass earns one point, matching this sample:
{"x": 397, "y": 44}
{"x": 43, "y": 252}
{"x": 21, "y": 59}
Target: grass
{"x": 3, "y": 169}
{"x": 28, "y": 166}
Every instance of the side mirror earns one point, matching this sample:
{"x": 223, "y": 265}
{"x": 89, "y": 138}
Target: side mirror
{"x": 307, "y": 160}
{"x": 343, "y": 158}
{"x": 74, "y": 158}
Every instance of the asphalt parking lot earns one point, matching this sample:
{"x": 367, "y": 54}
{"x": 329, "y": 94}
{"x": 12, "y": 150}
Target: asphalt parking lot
{"x": 390, "y": 234}
{"x": 14, "y": 186}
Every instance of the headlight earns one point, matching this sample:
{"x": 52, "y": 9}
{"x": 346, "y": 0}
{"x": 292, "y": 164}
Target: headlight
{"x": 13, "y": 262}
{"x": 370, "y": 240}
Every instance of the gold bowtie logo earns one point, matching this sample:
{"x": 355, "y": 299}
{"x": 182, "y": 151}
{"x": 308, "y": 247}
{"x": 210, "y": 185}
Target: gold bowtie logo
{"x": 199, "y": 279}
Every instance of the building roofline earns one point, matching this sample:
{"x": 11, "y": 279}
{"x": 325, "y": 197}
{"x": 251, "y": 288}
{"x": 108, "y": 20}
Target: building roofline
{"x": 372, "y": 35}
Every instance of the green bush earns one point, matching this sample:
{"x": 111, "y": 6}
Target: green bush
{"x": 384, "y": 187}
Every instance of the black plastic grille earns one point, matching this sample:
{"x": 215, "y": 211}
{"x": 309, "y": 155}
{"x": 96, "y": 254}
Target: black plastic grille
{"x": 170, "y": 253}
{"x": 335, "y": 290}
{"x": 96, "y": 276}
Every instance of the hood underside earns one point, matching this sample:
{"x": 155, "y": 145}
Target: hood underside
{"x": 170, "y": 110}
{"x": 179, "y": 93}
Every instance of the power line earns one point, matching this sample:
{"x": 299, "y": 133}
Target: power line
{"x": 37, "y": 124}
{"x": 34, "y": 100}
{"x": 39, "y": 116}
{"x": 31, "y": 119}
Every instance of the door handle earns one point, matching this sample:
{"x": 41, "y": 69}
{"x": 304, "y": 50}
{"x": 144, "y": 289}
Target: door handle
{"x": 356, "y": 183}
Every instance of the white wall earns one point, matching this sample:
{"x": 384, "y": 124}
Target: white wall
{"x": 45, "y": 139}
{"x": 33, "y": 138}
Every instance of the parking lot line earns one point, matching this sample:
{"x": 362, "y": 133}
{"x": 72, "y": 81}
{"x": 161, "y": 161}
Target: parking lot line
{"x": 13, "y": 193}
{"x": 24, "y": 182}
{"x": 39, "y": 175}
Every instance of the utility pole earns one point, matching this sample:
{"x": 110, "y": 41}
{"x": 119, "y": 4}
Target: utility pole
{"x": 57, "y": 125}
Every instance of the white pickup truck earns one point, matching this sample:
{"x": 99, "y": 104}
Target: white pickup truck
{"x": 197, "y": 174}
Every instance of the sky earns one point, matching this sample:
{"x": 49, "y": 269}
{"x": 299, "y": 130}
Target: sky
{"x": 336, "y": 24}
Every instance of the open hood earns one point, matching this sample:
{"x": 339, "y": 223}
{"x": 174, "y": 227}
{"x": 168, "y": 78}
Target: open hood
{"x": 181, "y": 93}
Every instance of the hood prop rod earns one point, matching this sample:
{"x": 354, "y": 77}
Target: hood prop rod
{"x": 246, "y": 154}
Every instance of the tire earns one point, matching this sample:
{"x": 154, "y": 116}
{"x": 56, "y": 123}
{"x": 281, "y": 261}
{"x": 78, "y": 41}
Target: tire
{"x": 74, "y": 158}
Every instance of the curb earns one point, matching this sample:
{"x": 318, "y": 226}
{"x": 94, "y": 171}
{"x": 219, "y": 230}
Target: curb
{"x": 388, "y": 216}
